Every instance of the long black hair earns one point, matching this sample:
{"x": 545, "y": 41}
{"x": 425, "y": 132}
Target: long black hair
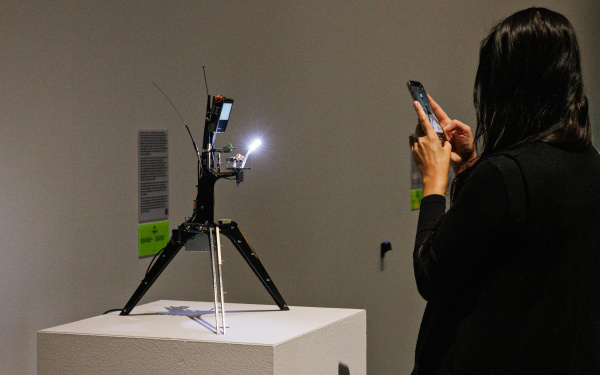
{"x": 529, "y": 86}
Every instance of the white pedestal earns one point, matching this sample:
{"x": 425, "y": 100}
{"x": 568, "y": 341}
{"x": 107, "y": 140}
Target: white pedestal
{"x": 178, "y": 337}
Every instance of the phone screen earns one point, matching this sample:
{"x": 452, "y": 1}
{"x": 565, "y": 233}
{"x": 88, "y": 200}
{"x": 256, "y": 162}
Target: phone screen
{"x": 418, "y": 93}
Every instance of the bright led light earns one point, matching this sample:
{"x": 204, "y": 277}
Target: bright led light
{"x": 254, "y": 145}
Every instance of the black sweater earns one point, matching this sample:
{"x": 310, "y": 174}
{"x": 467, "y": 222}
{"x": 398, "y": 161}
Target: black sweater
{"x": 511, "y": 272}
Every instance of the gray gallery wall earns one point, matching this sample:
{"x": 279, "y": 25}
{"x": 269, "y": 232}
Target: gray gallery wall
{"x": 323, "y": 83}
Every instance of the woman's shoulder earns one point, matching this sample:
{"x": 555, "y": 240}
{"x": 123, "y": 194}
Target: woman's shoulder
{"x": 542, "y": 164}
{"x": 545, "y": 151}
{"x": 540, "y": 157}
{"x": 524, "y": 151}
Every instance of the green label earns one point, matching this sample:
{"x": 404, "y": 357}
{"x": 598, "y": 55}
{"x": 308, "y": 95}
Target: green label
{"x": 152, "y": 237}
{"x": 415, "y": 198}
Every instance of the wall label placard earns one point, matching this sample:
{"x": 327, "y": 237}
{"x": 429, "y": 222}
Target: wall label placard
{"x": 152, "y": 237}
{"x": 153, "y": 187}
{"x": 153, "y": 176}
{"x": 416, "y": 186}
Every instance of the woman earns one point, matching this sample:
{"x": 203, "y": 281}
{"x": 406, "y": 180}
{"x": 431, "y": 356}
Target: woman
{"x": 511, "y": 271}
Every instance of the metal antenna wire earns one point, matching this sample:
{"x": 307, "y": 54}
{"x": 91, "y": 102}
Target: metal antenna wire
{"x": 205, "y": 83}
{"x": 180, "y": 116}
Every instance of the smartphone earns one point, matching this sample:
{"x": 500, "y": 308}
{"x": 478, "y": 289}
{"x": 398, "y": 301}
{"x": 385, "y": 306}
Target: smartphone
{"x": 418, "y": 93}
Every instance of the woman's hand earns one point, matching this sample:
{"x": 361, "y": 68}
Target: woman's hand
{"x": 431, "y": 156}
{"x": 460, "y": 137}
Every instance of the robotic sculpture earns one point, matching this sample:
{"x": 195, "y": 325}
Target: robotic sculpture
{"x": 201, "y": 226}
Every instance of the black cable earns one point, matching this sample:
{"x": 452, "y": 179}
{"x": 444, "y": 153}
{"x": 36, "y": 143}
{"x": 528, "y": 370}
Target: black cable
{"x": 148, "y": 270}
{"x": 109, "y": 311}
{"x": 153, "y": 259}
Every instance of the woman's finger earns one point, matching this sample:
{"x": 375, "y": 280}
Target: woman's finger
{"x": 457, "y": 125}
{"x": 412, "y": 139}
{"x": 419, "y": 131}
{"x": 439, "y": 112}
{"x": 426, "y": 126}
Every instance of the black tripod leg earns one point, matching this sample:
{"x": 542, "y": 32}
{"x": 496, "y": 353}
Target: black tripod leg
{"x": 232, "y": 231}
{"x": 175, "y": 244}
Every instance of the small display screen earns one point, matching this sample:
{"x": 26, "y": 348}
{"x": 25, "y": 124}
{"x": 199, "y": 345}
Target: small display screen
{"x": 225, "y": 111}
{"x": 224, "y": 117}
